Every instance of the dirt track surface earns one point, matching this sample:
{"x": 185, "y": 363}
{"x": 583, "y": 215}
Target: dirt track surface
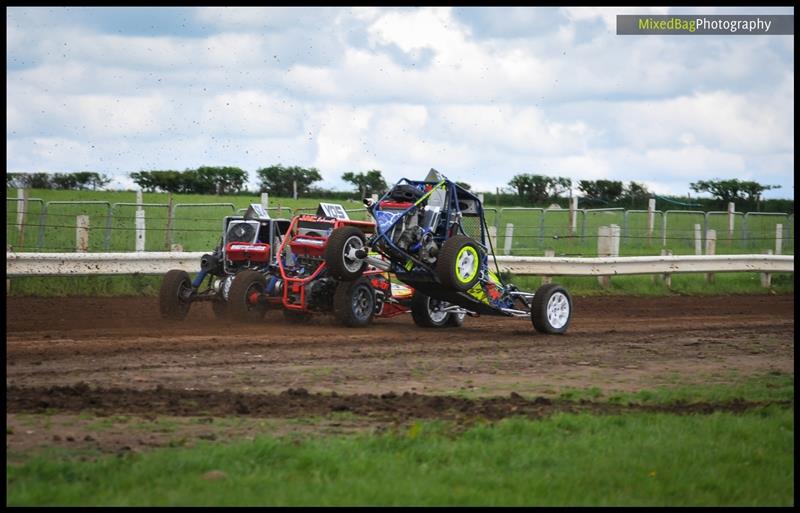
{"x": 618, "y": 343}
{"x": 83, "y": 359}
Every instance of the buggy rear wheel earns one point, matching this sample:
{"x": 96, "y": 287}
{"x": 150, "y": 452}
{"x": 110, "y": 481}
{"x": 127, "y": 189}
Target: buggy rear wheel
{"x": 243, "y": 298}
{"x": 354, "y": 302}
{"x": 173, "y": 298}
{"x": 341, "y": 242}
{"x": 427, "y": 312}
{"x": 459, "y": 263}
{"x": 456, "y": 320}
{"x": 551, "y": 310}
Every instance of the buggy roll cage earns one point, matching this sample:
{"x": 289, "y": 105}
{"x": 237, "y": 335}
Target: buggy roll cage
{"x": 451, "y": 212}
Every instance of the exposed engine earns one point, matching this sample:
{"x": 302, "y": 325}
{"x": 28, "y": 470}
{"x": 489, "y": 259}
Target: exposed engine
{"x": 416, "y": 230}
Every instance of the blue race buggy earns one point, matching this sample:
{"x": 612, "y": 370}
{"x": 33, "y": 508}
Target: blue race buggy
{"x": 433, "y": 236}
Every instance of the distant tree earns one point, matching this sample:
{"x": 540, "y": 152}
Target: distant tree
{"x": 604, "y": 190}
{"x": 539, "y": 188}
{"x": 278, "y": 180}
{"x": 165, "y": 181}
{"x": 144, "y": 180}
{"x": 732, "y": 189}
{"x": 218, "y": 180}
{"x": 30, "y": 180}
{"x": 203, "y": 180}
{"x": 368, "y": 183}
{"x": 83, "y": 180}
{"x": 64, "y": 181}
{"x": 558, "y": 186}
{"x": 635, "y": 190}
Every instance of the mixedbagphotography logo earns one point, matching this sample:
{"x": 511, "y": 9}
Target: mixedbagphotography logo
{"x": 734, "y": 24}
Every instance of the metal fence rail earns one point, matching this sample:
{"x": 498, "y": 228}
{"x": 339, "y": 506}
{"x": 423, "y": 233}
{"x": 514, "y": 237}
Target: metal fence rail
{"x": 522, "y": 231}
{"x": 82, "y": 264}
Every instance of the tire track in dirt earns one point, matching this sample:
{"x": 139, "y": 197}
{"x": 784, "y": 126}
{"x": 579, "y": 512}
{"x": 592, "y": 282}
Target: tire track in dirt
{"x": 300, "y": 403}
{"x": 623, "y": 343}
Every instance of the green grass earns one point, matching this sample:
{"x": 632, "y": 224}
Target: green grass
{"x": 768, "y": 387}
{"x": 567, "y": 459}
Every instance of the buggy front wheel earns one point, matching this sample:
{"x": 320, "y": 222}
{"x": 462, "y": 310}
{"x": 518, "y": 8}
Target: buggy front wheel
{"x": 551, "y": 310}
{"x": 174, "y": 297}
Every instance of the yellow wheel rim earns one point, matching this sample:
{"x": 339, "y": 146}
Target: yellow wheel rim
{"x": 466, "y": 264}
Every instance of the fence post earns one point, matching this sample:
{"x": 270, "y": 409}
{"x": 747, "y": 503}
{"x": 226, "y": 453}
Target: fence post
{"x": 265, "y": 200}
{"x": 82, "y": 234}
{"x": 140, "y": 227}
{"x": 778, "y": 239}
{"x": 698, "y": 240}
{"x": 607, "y": 245}
{"x": 493, "y": 237}
{"x": 548, "y": 253}
{"x": 731, "y": 217}
{"x": 168, "y": 232}
{"x": 651, "y": 218}
{"x": 294, "y": 189}
{"x": 509, "y": 237}
{"x": 711, "y": 249}
{"x": 22, "y": 208}
{"x": 666, "y": 278}
{"x": 573, "y": 215}
{"x": 766, "y": 278}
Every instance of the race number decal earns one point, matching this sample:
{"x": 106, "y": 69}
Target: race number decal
{"x": 332, "y": 210}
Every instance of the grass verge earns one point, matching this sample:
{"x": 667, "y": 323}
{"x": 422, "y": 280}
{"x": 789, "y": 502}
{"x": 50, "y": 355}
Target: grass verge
{"x": 660, "y": 459}
{"x": 567, "y": 459}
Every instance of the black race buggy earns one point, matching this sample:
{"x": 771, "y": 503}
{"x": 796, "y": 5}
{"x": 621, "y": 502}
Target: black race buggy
{"x": 432, "y": 235}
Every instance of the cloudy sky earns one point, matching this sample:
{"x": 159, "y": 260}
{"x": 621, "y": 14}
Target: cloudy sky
{"x": 480, "y": 94}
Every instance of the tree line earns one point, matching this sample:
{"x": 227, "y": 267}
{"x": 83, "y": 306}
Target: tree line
{"x": 83, "y": 180}
{"x": 288, "y": 181}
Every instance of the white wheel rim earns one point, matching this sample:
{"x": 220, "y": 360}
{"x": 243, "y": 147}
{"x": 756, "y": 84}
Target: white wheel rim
{"x": 558, "y": 310}
{"x": 435, "y": 312}
{"x": 352, "y": 264}
{"x": 466, "y": 264}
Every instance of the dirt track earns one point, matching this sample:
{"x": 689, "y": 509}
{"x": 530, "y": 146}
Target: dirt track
{"x": 617, "y": 343}
{"x": 115, "y": 358}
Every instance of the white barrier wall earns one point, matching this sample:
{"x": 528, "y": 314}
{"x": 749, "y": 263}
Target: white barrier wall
{"x": 152, "y": 262}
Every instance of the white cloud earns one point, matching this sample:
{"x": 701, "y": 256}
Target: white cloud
{"x": 402, "y": 90}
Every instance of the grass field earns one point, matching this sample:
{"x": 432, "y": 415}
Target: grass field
{"x": 197, "y": 227}
{"x": 636, "y": 459}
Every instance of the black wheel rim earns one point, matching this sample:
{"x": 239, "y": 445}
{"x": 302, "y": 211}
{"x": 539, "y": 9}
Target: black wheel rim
{"x": 362, "y": 303}
{"x": 183, "y": 291}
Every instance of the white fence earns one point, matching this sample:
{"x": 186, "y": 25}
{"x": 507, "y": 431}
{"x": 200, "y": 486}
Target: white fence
{"x": 83, "y": 264}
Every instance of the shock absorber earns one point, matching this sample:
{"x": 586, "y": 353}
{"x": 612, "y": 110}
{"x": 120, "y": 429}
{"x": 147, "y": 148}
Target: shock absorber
{"x": 199, "y": 278}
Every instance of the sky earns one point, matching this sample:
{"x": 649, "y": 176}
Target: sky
{"x": 481, "y": 94}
